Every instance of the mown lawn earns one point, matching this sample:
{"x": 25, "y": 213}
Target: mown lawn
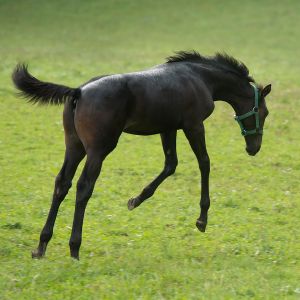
{"x": 251, "y": 248}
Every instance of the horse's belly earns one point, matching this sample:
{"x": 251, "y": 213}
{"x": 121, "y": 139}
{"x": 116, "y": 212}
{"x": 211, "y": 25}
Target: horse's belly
{"x": 152, "y": 126}
{"x": 138, "y": 131}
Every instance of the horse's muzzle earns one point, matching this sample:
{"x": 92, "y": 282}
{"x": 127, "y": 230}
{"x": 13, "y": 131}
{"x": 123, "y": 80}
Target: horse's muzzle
{"x": 252, "y": 152}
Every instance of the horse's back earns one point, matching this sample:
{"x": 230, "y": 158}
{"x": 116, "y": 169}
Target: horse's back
{"x": 148, "y": 102}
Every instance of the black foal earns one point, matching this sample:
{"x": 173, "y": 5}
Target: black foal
{"x": 178, "y": 94}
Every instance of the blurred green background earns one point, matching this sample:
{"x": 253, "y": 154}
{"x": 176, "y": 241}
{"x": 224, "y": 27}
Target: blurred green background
{"x": 251, "y": 247}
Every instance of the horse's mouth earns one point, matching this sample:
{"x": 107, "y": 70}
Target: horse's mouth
{"x": 252, "y": 152}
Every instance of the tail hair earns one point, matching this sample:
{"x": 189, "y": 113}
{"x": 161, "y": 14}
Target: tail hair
{"x": 36, "y": 91}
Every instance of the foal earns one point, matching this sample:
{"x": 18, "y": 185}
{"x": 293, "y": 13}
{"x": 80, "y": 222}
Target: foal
{"x": 178, "y": 94}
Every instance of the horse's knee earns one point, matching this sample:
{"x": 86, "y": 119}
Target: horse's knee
{"x": 170, "y": 167}
{"x": 170, "y": 170}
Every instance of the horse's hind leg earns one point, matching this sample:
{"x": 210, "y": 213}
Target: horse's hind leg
{"x": 63, "y": 183}
{"x": 196, "y": 138}
{"x": 99, "y": 142}
{"x": 169, "y": 146}
{"x": 74, "y": 154}
{"x": 85, "y": 187}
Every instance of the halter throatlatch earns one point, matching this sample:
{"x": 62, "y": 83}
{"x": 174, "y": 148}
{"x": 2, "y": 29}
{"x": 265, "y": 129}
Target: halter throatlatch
{"x": 250, "y": 113}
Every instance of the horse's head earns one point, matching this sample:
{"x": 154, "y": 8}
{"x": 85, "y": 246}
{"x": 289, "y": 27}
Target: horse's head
{"x": 251, "y": 118}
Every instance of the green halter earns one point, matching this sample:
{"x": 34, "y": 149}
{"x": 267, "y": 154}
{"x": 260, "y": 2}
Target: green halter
{"x": 250, "y": 113}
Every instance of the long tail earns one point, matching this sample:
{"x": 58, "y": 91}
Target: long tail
{"x": 37, "y": 91}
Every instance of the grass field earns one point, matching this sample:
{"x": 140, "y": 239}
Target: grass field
{"x": 251, "y": 248}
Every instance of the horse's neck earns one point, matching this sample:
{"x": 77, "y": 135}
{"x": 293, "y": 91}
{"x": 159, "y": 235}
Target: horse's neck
{"x": 227, "y": 88}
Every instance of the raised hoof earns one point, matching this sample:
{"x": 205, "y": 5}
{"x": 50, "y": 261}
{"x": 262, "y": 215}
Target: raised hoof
{"x": 131, "y": 204}
{"x": 201, "y": 225}
{"x": 37, "y": 254}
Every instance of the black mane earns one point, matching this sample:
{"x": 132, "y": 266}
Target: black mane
{"x": 220, "y": 60}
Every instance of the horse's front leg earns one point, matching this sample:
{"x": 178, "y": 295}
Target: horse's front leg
{"x": 168, "y": 140}
{"x": 196, "y": 138}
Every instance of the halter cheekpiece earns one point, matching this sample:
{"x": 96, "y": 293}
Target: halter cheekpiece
{"x": 250, "y": 113}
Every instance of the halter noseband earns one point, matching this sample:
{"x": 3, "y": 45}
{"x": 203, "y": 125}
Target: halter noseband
{"x": 250, "y": 113}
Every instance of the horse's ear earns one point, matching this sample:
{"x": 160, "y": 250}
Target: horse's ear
{"x": 266, "y": 90}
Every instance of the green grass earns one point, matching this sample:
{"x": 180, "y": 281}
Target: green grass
{"x": 251, "y": 248}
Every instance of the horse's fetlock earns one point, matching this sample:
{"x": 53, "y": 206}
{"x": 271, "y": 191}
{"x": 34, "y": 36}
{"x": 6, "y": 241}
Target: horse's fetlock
{"x": 75, "y": 243}
{"x": 148, "y": 191}
{"x": 205, "y": 206}
{"x": 46, "y": 236}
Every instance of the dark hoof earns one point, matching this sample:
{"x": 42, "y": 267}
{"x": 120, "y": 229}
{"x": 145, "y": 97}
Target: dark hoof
{"x": 75, "y": 254}
{"x": 201, "y": 225}
{"x": 131, "y": 204}
{"x": 74, "y": 250}
{"x": 37, "y": 254}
